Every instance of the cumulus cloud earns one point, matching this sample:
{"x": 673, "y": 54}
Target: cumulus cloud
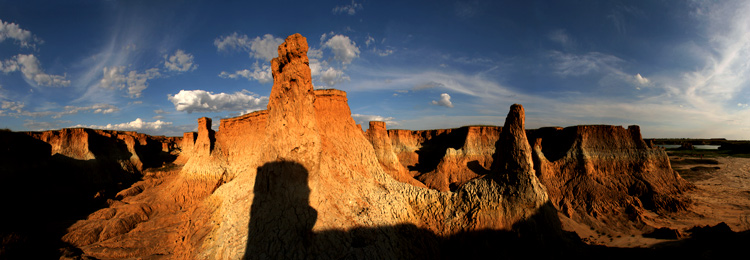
{"x": 640, "y": 81}
{"x": 365, "y": 119}
{"x": 180, "y": 62}
{"x": 135, "y": 125}
{"x": 204, "y": 101}
{"x": 14, "y": 106}
{"x": 32, "y": 70}
{"x": 350, "y": 9}
{"x": 383, "y": 53}
{"x": 232, "y": 42}
{"x": 332, "y": 77}
{"x": 115, "y": 78}
{"x": 22, "y": 37}
{"x": 264, "y": 49}
{"x": 260, "y": 73}
{"x": 445, "y": 100}
{"x": 344, "y": 49}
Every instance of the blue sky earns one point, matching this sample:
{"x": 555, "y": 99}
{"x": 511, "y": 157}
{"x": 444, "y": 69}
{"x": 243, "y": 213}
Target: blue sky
{"x": 676, "y": 68}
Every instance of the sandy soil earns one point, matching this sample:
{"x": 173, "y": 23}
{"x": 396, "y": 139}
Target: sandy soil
{"x": 722, "y": 194}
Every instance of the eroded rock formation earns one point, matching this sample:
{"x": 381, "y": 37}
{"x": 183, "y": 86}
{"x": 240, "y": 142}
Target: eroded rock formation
{"x": 606, "y": 175}
{"x": 302, "y": 180}
{"x": 50, "y": 179}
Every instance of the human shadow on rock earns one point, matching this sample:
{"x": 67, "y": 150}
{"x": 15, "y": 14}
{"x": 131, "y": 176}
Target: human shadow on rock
{"x": 281, "y": 219}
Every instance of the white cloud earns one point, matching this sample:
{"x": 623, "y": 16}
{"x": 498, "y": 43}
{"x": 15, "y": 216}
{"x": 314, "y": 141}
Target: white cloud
{"x": 262, "y": 74}
{"x": 232, "y": 42}
{"x": 567, "y": 64}
{"x": 365, "y": 119}
{"x": 43, "y": 125}
{"x": 561, "y": 37}
{"x": 263, "y": 49}
{"x": 180, "y": 62}
{"x": 445, "y": 100}
{"x": 66, "y": 110}
{"x": 383, "y": 53}
{"x": 22, "y": 37}
{"x": 640, "y": 79}
{"x": 344, "y": 49}
{"x": 369, "y": 40}
{"x": 11, "y": 105}
{"x": 266, "y": 48}
{"x": 135, "y": 125}
{"x": 332, "y": 77}
{"x": 740, "y": 105}
{"x": 316, "y": 67}
{"x": 204, "y": 101}
{"x": 115, "y": 78}
{"x": 350, "y": 9}
{"x": 29, "y": 65}
{"x": 725, "y": 55}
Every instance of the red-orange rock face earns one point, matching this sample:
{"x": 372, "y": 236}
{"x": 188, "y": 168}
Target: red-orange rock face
{"x": 600, "y": 174}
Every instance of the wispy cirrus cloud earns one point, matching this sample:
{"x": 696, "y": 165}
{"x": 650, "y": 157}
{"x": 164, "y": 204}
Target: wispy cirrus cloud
{"x": 17, "y": 108}
{"x": 350, "y": 9}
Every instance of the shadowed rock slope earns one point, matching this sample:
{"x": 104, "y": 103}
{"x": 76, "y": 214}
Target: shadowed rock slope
{"x": 50, "y": 179}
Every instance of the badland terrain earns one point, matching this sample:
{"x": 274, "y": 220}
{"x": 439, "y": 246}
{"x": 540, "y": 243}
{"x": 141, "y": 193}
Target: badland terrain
{"x": 301, "y": 180}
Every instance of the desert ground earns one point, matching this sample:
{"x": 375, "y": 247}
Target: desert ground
{"x": 721, "y": 194}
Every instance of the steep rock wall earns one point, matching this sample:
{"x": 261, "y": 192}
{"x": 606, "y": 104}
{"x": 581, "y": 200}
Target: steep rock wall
{"x": 381, "y": 143}
{"x": 605, "y": 175}
{"x": 442, "y": 159}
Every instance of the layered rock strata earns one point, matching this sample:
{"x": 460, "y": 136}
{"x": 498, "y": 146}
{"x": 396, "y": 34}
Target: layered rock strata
{"x": 606, "y": 176}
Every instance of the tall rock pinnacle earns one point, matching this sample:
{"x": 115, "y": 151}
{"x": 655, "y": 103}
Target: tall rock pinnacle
{"x": 515, "y": 155}
{"x": 292, "y": 127}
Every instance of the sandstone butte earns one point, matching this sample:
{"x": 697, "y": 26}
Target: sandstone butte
{"x": 302, "y": 180}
